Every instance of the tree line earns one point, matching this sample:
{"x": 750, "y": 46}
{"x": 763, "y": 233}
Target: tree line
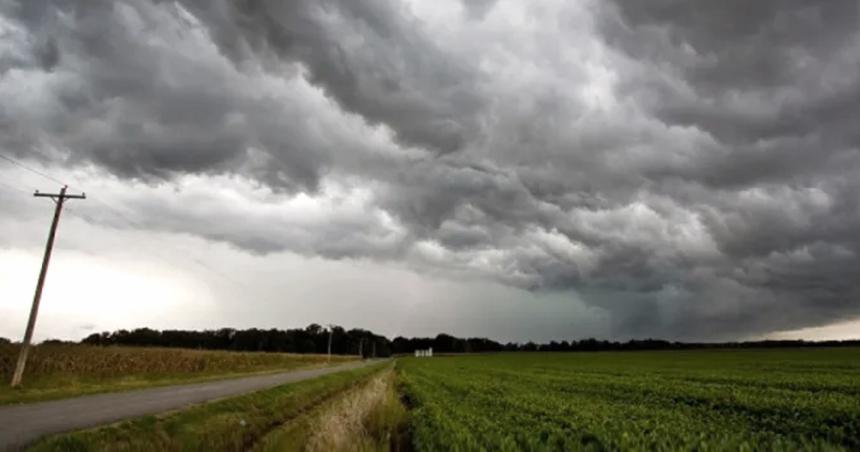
{"x": 312, "y": 339}
{"x": 315, "y": 339}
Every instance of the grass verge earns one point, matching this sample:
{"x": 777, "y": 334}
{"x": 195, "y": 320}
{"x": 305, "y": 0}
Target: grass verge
{"x": 368, "y": 417}
{"x": 59, "y": 371}
{"x": 231, "y": 425}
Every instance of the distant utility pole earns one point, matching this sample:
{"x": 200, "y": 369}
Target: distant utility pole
{"x": 329, "y": 341}
{"x": 374, "y": 348}
{"x": 361, "y": 348}
{"x": 34, "y": 310}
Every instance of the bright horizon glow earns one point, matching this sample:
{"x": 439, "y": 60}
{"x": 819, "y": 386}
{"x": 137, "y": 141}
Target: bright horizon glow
{"x": 833, "y": 332}
{"x": 82, "y": 296}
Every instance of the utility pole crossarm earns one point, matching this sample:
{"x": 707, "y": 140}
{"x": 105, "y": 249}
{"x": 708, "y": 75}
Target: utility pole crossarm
{"x": 59, "y": 195}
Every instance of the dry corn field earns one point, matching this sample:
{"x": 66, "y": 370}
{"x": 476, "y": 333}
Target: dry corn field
{"x": 82, "y": 368}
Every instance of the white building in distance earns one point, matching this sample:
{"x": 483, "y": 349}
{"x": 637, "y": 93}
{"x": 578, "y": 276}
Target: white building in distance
{"x": 424, "y": 353}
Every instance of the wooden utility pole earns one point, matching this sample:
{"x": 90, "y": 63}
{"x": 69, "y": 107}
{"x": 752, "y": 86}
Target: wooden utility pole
{"x": 34, "y": 310}
{"x": 329, "y": 341}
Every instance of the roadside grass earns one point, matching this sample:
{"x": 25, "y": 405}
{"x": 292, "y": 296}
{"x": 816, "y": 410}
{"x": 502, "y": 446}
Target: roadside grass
{"x": 234, "y": 424}
{"x": 58, "y": 371}
{"x": 368, "y": 417}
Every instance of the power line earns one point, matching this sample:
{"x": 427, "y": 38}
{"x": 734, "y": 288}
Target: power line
{"x": 32, "y": 170}
{"x": 135, "y": 224}
{"x": 54, "y": 179}
{"x": 181, "y": 251}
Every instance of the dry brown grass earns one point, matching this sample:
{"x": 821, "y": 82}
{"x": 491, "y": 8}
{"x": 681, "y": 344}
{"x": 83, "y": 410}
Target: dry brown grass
{"x": 368, "y": 417}
{"x": 344, "y": 422}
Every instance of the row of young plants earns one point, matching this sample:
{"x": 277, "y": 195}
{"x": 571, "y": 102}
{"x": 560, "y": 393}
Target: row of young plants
{"x": 738, "y": 400}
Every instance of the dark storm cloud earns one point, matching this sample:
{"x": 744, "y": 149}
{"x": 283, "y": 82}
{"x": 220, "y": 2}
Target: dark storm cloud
{"x": 367, "y": 55}
{"x": 123, "y": 98}
{"x": 687, "y": 166}
{"x": 775, "y": 86}
{"x": 748, "y": 73}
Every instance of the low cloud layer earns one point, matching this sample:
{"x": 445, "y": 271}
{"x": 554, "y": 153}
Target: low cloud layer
{"x": 688, "y": 167}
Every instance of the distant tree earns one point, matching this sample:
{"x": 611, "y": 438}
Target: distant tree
{"x": 529, "y": 347}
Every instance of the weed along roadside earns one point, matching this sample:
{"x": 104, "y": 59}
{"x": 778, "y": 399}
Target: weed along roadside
{"x": 367, "y": 417}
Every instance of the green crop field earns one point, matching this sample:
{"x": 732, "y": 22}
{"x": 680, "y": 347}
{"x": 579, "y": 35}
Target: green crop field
{"x": 787, "y": 399}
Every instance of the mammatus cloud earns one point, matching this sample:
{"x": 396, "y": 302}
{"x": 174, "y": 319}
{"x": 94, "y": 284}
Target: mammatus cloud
{"x": 687, "y": 166}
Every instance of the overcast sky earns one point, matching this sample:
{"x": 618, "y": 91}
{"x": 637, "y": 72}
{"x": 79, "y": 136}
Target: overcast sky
{"x": 523, "y": 170}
